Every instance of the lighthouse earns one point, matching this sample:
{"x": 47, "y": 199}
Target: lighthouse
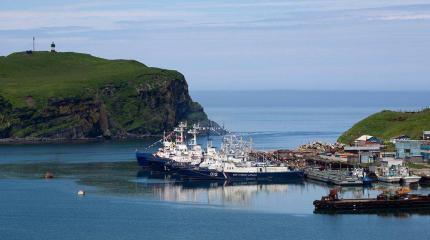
{"x": 53, "y": 47}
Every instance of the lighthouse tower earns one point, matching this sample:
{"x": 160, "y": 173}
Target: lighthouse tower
{"x": 53, "y": 47}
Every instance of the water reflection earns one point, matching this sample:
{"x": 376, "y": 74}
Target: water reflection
{"x": 127, "y": 181}
{"x": 274, "y": 197}
{"x": 247, "y": 195}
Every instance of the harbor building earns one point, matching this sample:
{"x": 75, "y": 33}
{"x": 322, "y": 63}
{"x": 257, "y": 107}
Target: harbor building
{"x": 426, "y": 135}
{"x": 366, "y": 149}
{"x": 409, "y": 149}
{"x": 425, "y": 151}
{"x": 367, "y": 140}
{"x": 399, "y": 138}
{"x": 365, "y": 154}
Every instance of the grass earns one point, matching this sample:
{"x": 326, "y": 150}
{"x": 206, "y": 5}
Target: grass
{"x": 388, "y": 124}
{"x": 44, "y": 75}
{"x": 45, "y": 94}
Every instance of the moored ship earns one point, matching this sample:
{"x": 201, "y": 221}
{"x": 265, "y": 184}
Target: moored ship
{"x": 231, "y": 163}
{"x": 173, "y": 151}
{"x": 247, "y": 171}
{"x": 396, "y": 173}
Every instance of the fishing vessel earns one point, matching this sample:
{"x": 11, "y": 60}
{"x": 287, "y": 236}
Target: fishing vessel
{"x": 407, "y": 176}
{"x": 408, "y": 179}
{"x": 174, "y": 151}
{"x": 247, "y": 171}
{"x": 233, "y": 163}
{"x": 396, "y": 173}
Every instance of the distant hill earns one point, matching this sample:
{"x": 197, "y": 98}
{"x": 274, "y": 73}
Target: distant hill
{"x": 388, "y": 124}
{"x": 73, "y": 95}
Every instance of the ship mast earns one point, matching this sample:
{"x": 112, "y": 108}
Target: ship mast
{"x": 194, "y": 132}
{"x": 180, "y": 130}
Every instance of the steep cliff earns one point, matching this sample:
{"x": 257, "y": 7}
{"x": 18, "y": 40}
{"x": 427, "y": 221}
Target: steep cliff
{"x": 73, "y": 95}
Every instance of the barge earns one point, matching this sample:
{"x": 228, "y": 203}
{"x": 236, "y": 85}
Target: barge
{"x": 401, "y": 201}
{"x": 333, "y": 177}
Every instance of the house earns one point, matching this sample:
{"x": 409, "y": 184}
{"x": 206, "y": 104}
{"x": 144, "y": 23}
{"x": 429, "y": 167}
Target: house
{"x": 425, "y": 150}
{"x": 408, "y": 149}
{"x": 338, "y": 157}
{"x": 365, "y": 153}
{"x": 426, "y": 135}
{"x": 398, "y": 138}
{"x": 367, "y": 140}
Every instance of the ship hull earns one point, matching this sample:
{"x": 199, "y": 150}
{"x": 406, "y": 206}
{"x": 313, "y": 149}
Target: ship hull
{"x": 409, "y": 180}
{"x": 276, "y": 176}
{"x": 150, "y": 161}
{"x": 205, "y": 174}
{"x": 200, "y": 174}
{"x": 390, "y": 179}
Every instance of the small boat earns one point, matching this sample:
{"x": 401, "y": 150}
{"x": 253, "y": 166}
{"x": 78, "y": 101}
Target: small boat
{"x": 407, "y": 176}
{"x": 425, "y": 180}
{"x": 396, "y": 173}
{"x": 390, "y": 178}
{"x": 410, "y": 179}
{"x": 367, "y": 180}
{"x": 400, "y": 201}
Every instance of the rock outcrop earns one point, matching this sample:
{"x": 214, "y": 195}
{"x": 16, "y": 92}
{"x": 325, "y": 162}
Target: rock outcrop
{"x": 115, "y": 104}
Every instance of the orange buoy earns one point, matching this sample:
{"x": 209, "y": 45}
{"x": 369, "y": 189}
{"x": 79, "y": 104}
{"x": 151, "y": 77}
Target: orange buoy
{"x": 49, "y": 175}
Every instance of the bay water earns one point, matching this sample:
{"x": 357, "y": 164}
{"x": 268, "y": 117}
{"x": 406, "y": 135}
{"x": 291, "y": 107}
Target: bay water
{"x": 123, "y": 201}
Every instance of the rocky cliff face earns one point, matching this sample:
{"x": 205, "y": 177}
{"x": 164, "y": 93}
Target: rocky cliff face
{"x": 114, "y": 112}
{"x": 145, "y": 104}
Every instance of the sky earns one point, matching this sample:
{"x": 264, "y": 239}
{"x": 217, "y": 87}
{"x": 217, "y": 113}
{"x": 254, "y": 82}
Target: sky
{"x": 381, "y": 45}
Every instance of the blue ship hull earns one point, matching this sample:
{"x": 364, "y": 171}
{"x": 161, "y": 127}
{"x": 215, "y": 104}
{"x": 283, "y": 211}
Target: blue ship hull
{"x": 200, "y": 174}
{"x": 205, "y": 174}
{"x": 281, "y": 176}
{"x": 151, "y": 161}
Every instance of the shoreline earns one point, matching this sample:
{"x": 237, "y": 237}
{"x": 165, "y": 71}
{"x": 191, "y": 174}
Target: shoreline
{"x": 29, "y": 141}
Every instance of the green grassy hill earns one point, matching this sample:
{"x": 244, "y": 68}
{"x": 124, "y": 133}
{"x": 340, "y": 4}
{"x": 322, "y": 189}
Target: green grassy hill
{"x": 74, "y": 95}
{"x": 388, "y": 124}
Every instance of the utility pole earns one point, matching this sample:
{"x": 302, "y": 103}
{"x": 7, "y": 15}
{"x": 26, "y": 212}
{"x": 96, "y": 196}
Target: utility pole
{"x": 34, "y": 39}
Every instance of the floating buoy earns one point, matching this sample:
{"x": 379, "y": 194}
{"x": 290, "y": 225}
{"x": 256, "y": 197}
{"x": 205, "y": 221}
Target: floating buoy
{"x": 81, "y": 192}
{"x": 49, "y": 175}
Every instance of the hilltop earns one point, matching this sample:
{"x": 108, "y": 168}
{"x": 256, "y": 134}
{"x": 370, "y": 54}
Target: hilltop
{"x": 388, "y": 124}
{"x": 73, "y": 95}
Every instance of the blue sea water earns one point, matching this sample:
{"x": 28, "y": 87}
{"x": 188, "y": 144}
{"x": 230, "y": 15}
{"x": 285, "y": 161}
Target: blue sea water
{"x": 124, "y": 202}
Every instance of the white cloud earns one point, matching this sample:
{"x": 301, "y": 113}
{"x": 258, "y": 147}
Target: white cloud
{"x": 137, "y": 15}
{"x": 403, "y": 17}
{"x": 96, "y": 19}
